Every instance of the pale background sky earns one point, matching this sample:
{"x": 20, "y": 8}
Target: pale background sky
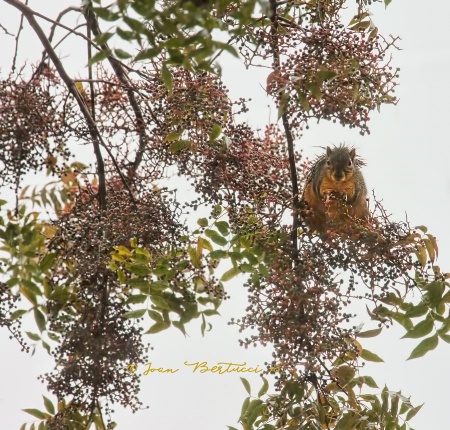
{"x": 408, "y": 166}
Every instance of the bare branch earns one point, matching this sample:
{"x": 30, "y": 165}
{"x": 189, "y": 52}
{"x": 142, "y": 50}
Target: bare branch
{"x": 6, "y": 31}
{"x": 284, "y": 98}
{"x": 58, "y": 19}
{"x": 122, "y": 75}
{"x": 16, "y": 48}
{"x": 94, "y": 132}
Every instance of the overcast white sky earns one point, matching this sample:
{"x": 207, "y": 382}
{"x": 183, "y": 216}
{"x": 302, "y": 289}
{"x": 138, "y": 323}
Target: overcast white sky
{"x": 408, "y": 166}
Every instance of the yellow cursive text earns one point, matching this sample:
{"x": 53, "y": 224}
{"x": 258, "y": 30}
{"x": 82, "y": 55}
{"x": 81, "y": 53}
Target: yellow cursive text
{"x": 151, "y": 369}
{"x": 222, "y": 367}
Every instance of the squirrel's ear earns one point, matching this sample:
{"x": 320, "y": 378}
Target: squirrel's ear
{"x": 328, "y": 151}
{"x": 352, "y": 153}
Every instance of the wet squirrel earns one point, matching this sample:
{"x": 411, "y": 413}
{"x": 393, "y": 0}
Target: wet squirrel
{"x": 335, "y": 189}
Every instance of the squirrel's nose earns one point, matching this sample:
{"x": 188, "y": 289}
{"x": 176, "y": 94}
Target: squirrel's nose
{"x": 339, "y": 176}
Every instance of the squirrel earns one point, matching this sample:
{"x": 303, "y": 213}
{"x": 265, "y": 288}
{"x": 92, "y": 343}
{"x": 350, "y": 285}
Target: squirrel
{"x": 335, "y": 190}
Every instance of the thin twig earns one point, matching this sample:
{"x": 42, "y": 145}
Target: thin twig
{"x": 6, "y": 31}
{"x": 90, "y": 75}
{"x": 66, "y": 36}
{"x": 16, "y": 48}
{"x": 99, "y": 81}
{"x": 58, "y": 20}
{"x": 284, "y": 98}
{"x": 94, "y": 132}
{"x": 121, "y": 74}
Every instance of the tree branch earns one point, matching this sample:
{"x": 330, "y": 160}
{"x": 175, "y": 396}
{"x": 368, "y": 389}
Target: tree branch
{"x": 122, "y": 75}
{"x": 283, "y": 98}
{"x": 95, "y": 134}
{"x": 16, "y": 48}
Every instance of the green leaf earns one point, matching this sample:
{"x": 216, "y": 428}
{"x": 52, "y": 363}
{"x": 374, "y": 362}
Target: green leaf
{"x": 120, "y": 53}
{"x": 123, "y": 250}
{"x": 226, "y": 47}
{"x": 167, "y": 77}
{"x": 37, "y": 413}
{"x": 145, "y": 54}
{"x": 264, "y": 388}
{"x": 445, "y": 327}
{"x": 33, "y": 336}
{"x": 392, "y": 299}
{"x": 136, "y": 298}
{"x": 253, "y": 411}
{"x": 361, "y": 25}
{"x": 435, "y": 290}
{"x": 430, "y": 249}
{"x": 230, "y": 274}
{"x": 223, "y": 227}
{"x": 215, "y": 132}
{"x": 246, "y": 386}
{"x": 216, "y": 237}
{"x": 141, "y": 284}
{"x": 403, "y": 320}
{"x": 246, "y": 268}
{"x": 160, "y": 302}
{"x": 369, "y": 333}
{"x": 139, "y": 269}
{"x": 283, "y": 105}
{"x": 105, "y": 13}
{"x": 17, "y": 314}
{"x": 49, "y": 405}
{"x": 134, "y": 314}
{"x": 412, "y": 413}
{"x": 40, "y": 319}
{"x": 304, "y": 102}
{"x": 326, "y": 75}
{"x": 156, "y": 286}
{"x": 203, "y": 222}
{"x": 263, "y": 270}
{"x": 370, "y": 356}
{"x": 172, "y": 136}
{"x": 444, "y": 337}
{"x": 122, "y": 278}
{"x": 47, "y": 261}
{"x": 370, "y": 382}
{"x": 99, "y": 56}
{"x": 210, "y": 312}
{"x": 417, "y": 311}
{"x": 421, "y": 254}
{"x": 216, "y": 211}
{"x": 421, "y": 329}
{"x": 425, "y": 346}
{"x": 103, "y": 38}
{"x": 244, "y": 407}
{"x": 387, "y": 3}
{"x": 204, "y": 244}
{"x": 315, "y": 91}
{"x": 154, "y": 315}
{"x": 179, "y": 145}
{"x": 157, "y": 327}
{"x": 181, "y": 265}
{"x": 180, "y": 326}
{"x": 218, "y": 254}
{"x": 195, "y": 258}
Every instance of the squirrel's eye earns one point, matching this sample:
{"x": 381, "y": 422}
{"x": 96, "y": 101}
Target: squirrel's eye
{"x": 350, "y": 162}
{"x": 328, "y": 163}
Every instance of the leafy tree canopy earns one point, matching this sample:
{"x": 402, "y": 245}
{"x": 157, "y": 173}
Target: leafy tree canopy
{"x": 102, "y": 251}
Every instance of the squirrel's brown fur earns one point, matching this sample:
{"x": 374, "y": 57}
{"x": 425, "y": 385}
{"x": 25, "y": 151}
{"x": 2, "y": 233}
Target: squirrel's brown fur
{"x": 335, "y": 189}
